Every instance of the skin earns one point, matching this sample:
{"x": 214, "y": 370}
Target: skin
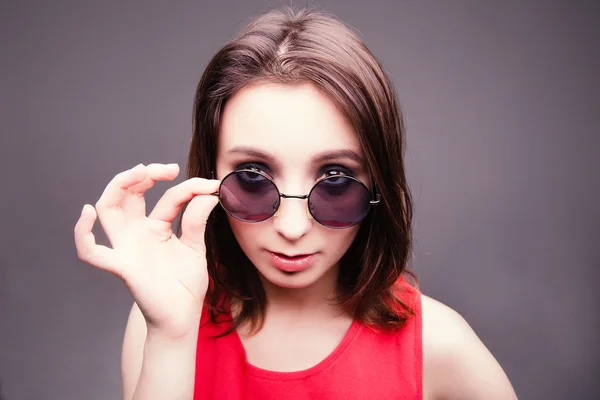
{"x": 291, "y": 125}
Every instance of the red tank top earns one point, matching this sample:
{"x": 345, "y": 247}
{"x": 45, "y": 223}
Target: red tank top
{"x": 365, "y": 365}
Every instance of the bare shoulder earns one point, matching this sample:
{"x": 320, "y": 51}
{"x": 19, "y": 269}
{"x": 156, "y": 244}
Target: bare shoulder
{"x": 456, "y": 364}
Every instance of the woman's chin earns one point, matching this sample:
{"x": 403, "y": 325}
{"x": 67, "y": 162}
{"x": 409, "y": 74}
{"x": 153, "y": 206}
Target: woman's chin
{"x": 289, "y": 280}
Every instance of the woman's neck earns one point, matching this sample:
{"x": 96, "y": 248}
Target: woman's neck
{"x": 316, "y": 300}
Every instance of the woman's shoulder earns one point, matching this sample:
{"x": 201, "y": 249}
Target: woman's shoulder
{"x": 437, "y": 315}
{"x": 455, "y": 360}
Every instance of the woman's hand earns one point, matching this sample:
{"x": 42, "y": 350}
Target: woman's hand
{"x": 167, "y": 276}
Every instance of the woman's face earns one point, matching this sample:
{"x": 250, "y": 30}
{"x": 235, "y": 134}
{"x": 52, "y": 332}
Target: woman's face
{"x": 285, "y": 131}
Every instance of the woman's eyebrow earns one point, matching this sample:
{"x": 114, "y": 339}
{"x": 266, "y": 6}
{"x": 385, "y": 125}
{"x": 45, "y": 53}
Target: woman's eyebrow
{"x": 252, "y": 152}
{"x": 319, "y": 158}
{"x": 338, "y": 154}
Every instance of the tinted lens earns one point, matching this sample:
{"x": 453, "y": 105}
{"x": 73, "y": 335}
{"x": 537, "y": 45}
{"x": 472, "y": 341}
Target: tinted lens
{"x": 339, "y": 201}
{"x": 249, "y": 196}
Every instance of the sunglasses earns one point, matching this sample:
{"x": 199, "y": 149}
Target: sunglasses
{"x": 336, "y": 201}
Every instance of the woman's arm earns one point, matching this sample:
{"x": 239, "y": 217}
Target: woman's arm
{"x": 456, "y": 364}
{"x": 154, "y": 366}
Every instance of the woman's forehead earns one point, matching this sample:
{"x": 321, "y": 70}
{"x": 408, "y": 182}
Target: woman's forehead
{"x": 285, "y": 121}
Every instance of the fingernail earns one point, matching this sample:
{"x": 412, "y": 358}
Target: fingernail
{"x": 172, "y": 165}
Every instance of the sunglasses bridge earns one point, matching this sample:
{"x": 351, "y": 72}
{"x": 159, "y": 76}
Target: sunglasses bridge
{"x": 292, "y": 196}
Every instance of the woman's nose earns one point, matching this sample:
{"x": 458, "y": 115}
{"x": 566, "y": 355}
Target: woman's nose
{"x": 292, "y": 219}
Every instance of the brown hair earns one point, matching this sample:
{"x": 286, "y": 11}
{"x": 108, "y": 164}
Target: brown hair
{"x": 291, "y": 47}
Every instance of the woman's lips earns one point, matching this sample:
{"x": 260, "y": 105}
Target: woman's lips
{"x": 291, "y": 264}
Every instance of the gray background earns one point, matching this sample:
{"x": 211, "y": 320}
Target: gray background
{"x": 502, "y": 108}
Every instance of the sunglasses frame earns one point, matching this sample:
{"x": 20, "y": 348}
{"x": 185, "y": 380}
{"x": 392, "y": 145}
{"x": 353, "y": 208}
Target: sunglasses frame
{"x": 375, "y": 201}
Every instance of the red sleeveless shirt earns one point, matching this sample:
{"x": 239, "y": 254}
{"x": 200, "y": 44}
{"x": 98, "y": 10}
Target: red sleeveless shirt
{"x": 366, "y": 364}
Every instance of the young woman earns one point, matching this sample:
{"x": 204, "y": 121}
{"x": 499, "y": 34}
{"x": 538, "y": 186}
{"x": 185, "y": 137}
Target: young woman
{"x": 294, "y": 286}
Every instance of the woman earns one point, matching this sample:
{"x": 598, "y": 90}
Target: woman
{"x": 293, "y": 287}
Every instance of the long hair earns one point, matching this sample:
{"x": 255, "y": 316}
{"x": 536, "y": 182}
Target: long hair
{"x": 289, "y": 47}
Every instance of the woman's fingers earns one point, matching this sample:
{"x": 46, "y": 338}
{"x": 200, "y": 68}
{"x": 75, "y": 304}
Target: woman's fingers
{"x": 123, "y": 199}
{"x": 169, "y": 206}
{"x": 193, "y": 224}
{"x": 85, "y": 242}
{"x": 109, "y": 206}
{"x": 134, "y": 204}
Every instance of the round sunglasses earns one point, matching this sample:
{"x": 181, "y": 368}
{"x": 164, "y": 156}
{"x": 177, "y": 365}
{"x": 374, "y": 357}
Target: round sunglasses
{"x": 335, "y": 201}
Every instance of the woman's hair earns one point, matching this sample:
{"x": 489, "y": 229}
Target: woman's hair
{"x": 291, "y": 47}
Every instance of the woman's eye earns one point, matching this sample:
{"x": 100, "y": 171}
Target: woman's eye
{"x": 253, "y": 167}
{"x": 335, "y": 170}
{"x": 256, "y": 169}
{"x": 251, "y": 177}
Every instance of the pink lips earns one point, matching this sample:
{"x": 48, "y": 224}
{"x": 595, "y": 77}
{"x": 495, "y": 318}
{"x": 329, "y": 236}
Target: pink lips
{"x": 291, "y": 264}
